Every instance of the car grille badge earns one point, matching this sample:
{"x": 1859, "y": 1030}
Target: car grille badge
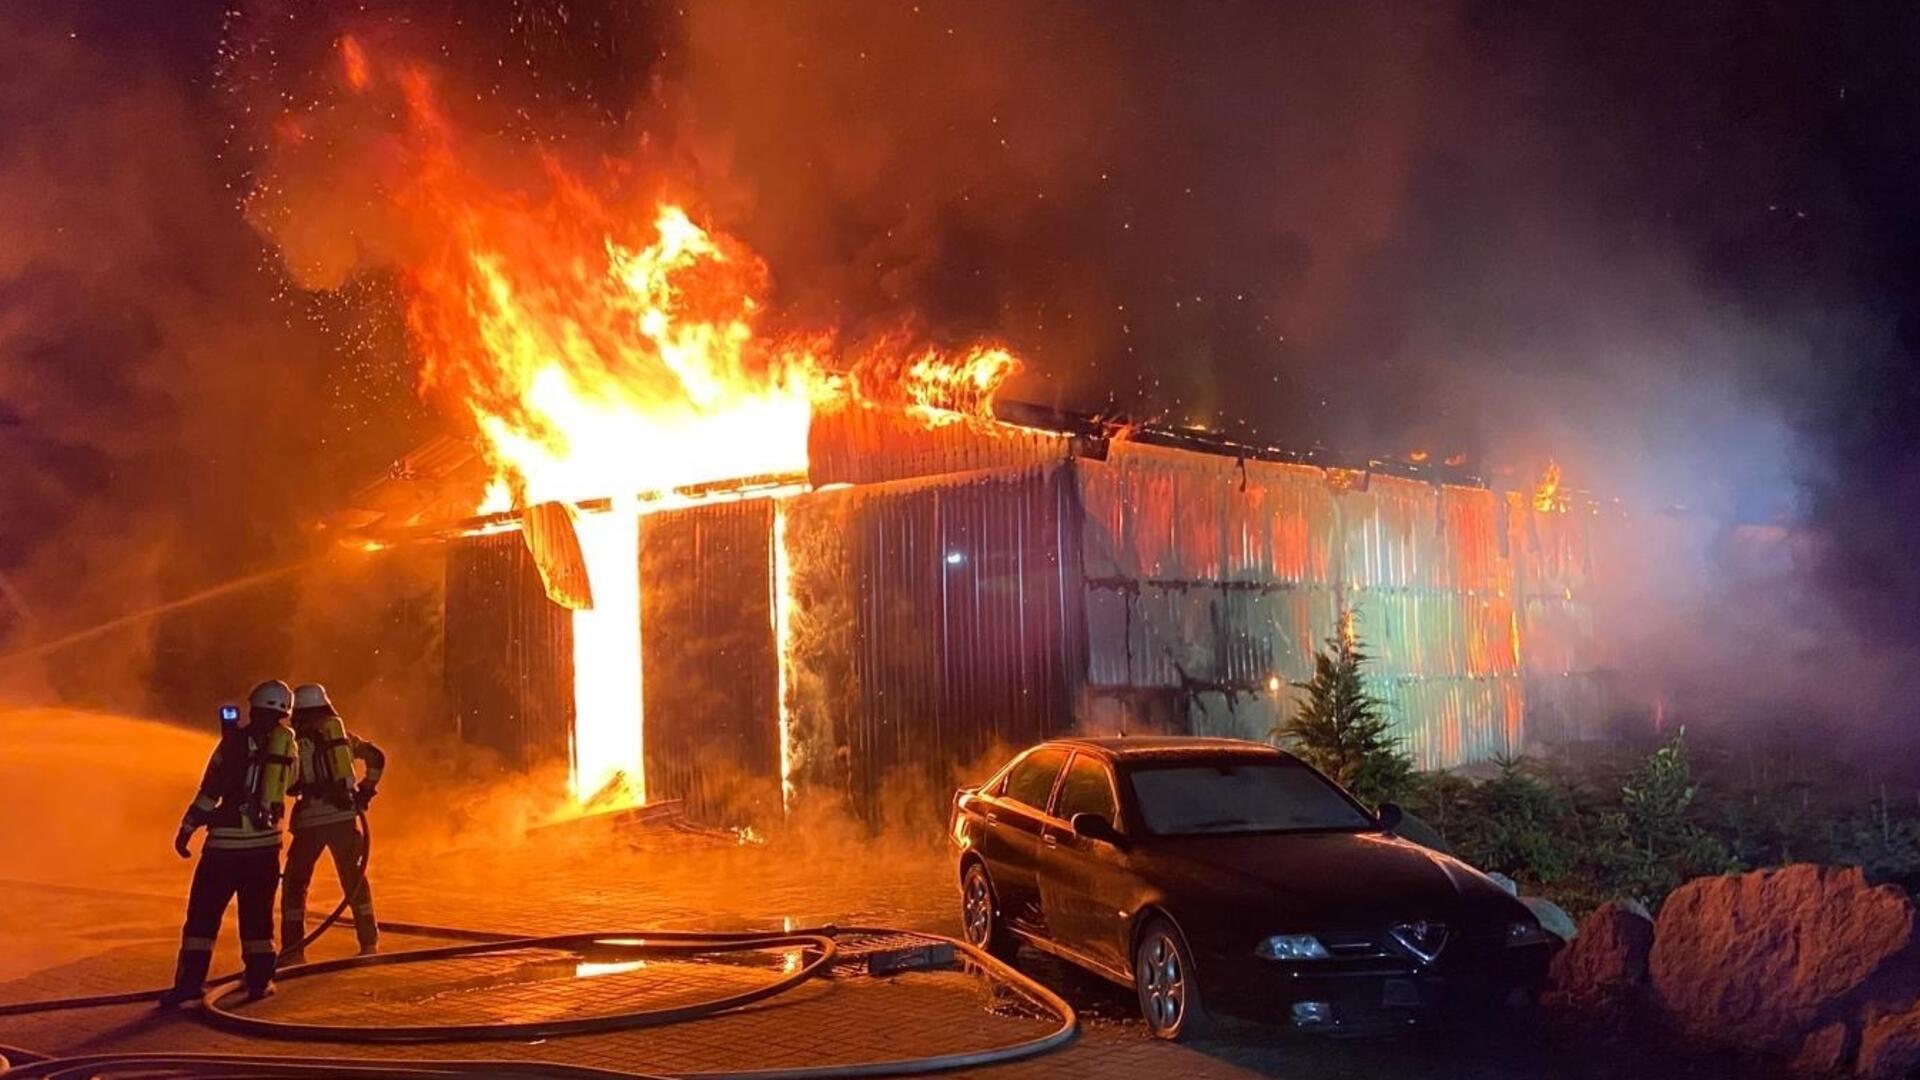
{"x": 1422, "y": 938}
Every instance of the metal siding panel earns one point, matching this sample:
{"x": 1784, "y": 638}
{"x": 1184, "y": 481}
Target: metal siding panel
{"x": 1201, "y": 646}
{"x": 1300, "y": 520}
{"x": 1153, "y": 630}
{"x": 711, "y": 662}
{"x": 1108, "y": 625}
{"x": 861, "y": 444}
{"x": 965, "y": 636}
{"x": 1213, "y": 715}
{"x": 1423, "y": 566}
{"x": 1149, "y": 529}
{"x": 1254, "y": 639}
{"x": 508, "y": 652}
{"x": 1199, "y": 521}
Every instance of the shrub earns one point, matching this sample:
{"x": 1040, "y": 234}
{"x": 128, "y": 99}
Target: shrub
{"x": 1514, "y": 823}
{"x": 1887, "y": 848}
{"x": 1341, "y": 729}
{"x": 1652, "y": 842}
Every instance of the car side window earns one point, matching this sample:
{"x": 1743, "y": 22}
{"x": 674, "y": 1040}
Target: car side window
{"x": 1085, "y": 790}
{"x": 1031, "y": 781}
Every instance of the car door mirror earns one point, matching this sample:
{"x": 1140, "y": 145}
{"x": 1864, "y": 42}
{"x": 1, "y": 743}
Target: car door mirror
{"x": 1096, "y": 827}
{"x": 1390, "y": 816}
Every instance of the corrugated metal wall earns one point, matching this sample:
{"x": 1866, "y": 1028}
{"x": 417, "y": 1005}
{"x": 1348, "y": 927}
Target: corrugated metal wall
{"x": 941, "y": 617}
{"x": 1553, "y": 555}
{"x": 859, "y": 444}
{"x": 1208, "y": 578}
{"x": 709, "y": 660}
{"x": 963, "y": 626}
{"x": 509, "y": 652}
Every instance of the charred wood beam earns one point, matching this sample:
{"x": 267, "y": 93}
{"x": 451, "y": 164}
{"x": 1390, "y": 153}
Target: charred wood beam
{"x": 505, "y": 520}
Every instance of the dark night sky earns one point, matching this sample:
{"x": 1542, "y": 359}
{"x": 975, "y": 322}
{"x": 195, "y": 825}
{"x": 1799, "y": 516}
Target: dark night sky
{"x": 1673, "y": 245}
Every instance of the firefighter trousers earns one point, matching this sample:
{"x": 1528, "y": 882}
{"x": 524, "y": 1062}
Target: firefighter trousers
{"x": 252, "y": 874}
{"x": 342, "y": 840}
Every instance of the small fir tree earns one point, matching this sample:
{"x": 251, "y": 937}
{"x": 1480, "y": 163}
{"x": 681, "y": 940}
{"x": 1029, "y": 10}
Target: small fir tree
{"x": 1341, "y": 729}
{"x": 1657, "y": 844}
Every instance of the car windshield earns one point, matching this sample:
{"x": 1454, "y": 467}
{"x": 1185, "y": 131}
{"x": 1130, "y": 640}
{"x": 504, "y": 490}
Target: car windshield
{"x": 1241, "y": 796}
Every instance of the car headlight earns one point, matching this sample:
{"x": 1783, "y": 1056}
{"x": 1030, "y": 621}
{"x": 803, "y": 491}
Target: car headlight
{"x": 1527, "y": 932}
{"x": 1291, "y": 947}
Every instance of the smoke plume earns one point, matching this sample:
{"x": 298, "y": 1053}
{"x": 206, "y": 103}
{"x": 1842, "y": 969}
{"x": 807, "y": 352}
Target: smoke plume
{"x": 1654, "y": 243}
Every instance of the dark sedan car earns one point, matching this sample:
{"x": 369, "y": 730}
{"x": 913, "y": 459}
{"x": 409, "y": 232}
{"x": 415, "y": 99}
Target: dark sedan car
{"x": 1219, "y": 876}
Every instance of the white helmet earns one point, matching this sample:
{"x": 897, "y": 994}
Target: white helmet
{"x": 272, "y": 694}
{"x": 311, "y": 695}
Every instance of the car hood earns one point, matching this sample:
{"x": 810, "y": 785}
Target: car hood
{"x": 1333, "y": 880}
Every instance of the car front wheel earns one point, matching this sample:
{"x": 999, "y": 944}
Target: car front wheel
{"x": 980, "y": 914}
{"x": 1163, "y": 978}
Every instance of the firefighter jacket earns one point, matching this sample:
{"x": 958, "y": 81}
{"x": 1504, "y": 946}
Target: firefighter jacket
{"x": 243, "y": 792}
{"x": 326, "y": 780}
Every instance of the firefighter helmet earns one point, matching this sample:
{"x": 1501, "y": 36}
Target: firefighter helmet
{"x": 272, "y": 694}
{"x": 311, "y": 695}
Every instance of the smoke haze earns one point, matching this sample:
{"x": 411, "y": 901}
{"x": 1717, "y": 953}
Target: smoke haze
{"x": 1668, "y": 246}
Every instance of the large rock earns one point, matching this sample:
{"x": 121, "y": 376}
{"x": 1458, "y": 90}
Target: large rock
{"x": 1890, "y": 1047}
{"x": 1826, "y": 1051}
{"x": 1764, "y": 960}
{"x": 1604, "y": 967}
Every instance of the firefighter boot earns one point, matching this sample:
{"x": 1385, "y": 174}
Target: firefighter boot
{"x": 189, "y": 977}
{"x": 366, "y": 928}
{"x": 293, "y": 931}
{"x": 260, "y": 962}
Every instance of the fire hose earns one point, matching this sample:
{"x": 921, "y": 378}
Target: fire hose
{"x": 134, "y": 997}
{"x": 820, "y": 941}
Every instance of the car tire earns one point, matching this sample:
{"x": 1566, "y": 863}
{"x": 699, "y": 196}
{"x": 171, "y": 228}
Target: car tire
{"x": 1163, "y": 979}
{"x": 980, "y": 914}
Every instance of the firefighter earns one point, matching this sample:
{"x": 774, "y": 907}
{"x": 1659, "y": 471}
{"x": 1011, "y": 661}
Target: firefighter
{"x": 242, "y": 796}
{"x": 326, "y": 818}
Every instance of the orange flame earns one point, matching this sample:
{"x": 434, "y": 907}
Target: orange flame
{"x": 607, "y": 355}
{"x": 353, "y": 60}
{"x": 1546, "y": 496}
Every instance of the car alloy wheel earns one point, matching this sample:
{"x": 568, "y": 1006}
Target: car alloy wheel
{"x": 977, "y": 906}
{"x": 1163, "y": 982}
{"x": 979, "y": 919}
{"x": 1163, "y": 977}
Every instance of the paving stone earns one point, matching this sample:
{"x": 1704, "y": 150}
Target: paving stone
{"x": 846, "y": 1018}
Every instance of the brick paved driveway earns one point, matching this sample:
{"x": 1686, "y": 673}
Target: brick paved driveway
{"x": 123, "y": 938}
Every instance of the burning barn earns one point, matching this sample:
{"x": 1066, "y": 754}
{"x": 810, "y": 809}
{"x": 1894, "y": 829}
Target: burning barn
{"x": 703, "y": 553}
{"x": 934, "y": 586}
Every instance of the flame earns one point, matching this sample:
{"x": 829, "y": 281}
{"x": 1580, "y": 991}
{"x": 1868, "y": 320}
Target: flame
{"x": 498, "y": 498}
{"x": 353, "y": 61}
{"x": 783, "y": 641}
{"x": 604, "y": 354}
{"x": 606, "y": 654}
{"x": 940, "y": 389}
{"x": 1546, "y": 496}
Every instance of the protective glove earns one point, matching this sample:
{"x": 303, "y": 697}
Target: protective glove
{"x": 180, "y": 847}
{"x": 363, "y": 796}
